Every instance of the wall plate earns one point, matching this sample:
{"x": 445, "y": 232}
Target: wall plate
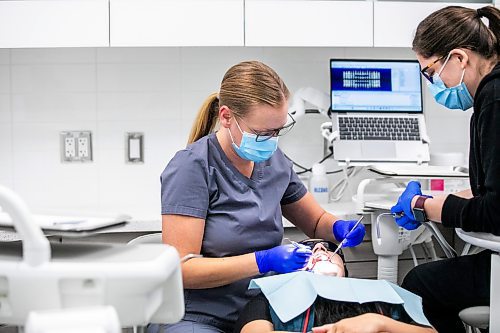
{"x": 76, "y": 146}
{"x": 134, "y": 147}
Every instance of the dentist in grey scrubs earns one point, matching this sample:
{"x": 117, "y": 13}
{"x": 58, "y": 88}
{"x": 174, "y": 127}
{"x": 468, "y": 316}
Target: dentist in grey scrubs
{"x": 224, "y": 196}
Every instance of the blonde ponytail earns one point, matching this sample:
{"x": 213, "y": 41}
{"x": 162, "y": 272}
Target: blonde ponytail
{"x": 244, "y": 86}
{"x": 206, "y": 119}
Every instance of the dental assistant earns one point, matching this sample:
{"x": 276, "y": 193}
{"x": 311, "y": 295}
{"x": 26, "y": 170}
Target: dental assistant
{"x": 224, "y": 196}
{"x": 459, "y": 55}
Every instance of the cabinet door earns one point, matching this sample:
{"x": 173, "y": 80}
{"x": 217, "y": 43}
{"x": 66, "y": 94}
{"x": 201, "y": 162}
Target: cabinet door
{"x": 308, "y": 23}
{"x": 176, "y": 23}
{"x": 54, "y": 23}
{"x": 395, "y": 23}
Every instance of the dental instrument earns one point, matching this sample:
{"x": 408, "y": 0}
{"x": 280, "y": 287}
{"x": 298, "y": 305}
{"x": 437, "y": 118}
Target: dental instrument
{"x": 297, "y": 245}
{"x": 343, "y": 241}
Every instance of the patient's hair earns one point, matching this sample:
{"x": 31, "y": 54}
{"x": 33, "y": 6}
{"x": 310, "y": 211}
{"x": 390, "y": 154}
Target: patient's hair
{"x": 327, "y": 311}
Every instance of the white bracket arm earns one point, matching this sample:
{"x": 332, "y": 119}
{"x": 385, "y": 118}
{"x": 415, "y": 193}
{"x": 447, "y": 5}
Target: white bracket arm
{"x": 327, "y": 133}
{"x": 309, "y": 95}
{"x": 36, "y": 247}
{"x": 360, "y": 204}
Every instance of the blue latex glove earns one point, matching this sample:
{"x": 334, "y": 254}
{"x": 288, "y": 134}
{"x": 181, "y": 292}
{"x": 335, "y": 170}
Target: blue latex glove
{"x": 341, "y": 228}
{"x": 407, "y": 221}
{"x": 283, "y": 258}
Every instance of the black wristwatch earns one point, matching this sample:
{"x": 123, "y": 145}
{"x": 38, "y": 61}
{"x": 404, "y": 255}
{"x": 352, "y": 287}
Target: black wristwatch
{"x": 418, "y": 209}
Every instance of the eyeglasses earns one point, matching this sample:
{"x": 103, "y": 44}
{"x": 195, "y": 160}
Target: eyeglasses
{"x": 268, "y": 134}
{"x": 424, "y": 70}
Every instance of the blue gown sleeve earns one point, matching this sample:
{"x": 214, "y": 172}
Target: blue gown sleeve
{"x": 295, "y": 190}
{"x": 184, "y": 186}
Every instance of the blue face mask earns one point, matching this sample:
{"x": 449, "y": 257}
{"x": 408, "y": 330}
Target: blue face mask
{"x": 457, "y": 97}
{"x": 252, "y": 150}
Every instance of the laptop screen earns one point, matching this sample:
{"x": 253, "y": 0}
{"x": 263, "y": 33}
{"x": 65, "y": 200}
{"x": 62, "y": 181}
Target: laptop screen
{"x": 375, "y": 86}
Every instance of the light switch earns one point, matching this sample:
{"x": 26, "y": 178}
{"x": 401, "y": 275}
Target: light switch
{"x": 134, "y": 147}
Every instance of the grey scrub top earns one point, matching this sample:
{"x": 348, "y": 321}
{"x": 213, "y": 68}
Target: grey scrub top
{"x": 241, "y": 214}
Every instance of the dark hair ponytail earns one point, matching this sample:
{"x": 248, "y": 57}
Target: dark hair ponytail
{"x": 459, "y": 27}
{"x": 493, "y": 16}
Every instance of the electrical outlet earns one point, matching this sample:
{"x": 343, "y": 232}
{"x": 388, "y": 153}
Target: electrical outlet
{"x": 83, "y": 147}
{"x": 69, "y": 148}
{"x": 76, "y": 146}
{"x": 84, "y": 142}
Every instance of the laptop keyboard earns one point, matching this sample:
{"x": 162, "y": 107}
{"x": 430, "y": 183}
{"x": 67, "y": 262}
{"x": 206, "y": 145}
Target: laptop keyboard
{"x": 379, "y": 128}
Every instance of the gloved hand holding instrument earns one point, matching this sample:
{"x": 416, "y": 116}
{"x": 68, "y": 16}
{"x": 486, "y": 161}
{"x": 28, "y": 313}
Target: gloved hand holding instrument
{"x": 282, "y": 259}
{"x": 349, "y": 233}
{"x": 403, "y": 211}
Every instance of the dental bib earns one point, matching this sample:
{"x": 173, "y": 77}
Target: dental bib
{"x": 291, "y": 294}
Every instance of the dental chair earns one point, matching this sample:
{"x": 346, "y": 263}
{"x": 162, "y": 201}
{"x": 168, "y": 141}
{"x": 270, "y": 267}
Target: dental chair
{"x": 478, "y": 317}
{"x": 154, "y": 238}
{"x": 130, "y": 285}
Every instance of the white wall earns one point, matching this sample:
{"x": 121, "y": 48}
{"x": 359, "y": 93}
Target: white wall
{"x": 154, "y": 90}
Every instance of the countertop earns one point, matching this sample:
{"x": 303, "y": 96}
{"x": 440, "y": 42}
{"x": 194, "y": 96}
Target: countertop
{"x": 344, "y": 210}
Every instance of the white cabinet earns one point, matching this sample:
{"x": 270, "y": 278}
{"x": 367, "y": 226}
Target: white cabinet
{"x": 395, "y": 23}
{"x": 54, "y": 23}
{"x": 308, "y": 23}
{"x": 176, "y": 23}
{"x": 301, "y": 23}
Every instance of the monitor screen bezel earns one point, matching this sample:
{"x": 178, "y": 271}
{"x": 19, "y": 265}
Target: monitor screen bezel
{"x": 376, "y": 111}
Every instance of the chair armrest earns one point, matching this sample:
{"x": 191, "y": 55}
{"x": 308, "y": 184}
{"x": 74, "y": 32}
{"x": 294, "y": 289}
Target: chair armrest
{"x": 481, "y": 239}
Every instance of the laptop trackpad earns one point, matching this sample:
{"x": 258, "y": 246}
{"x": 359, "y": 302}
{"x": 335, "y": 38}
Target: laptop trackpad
{"x": 378, "y": 150}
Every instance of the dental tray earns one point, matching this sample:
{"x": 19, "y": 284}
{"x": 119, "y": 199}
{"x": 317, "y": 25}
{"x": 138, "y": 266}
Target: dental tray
{"x": 56, "y": 223}
{"x": 430, "y": 171}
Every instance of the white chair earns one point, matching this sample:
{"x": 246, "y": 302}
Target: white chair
{"x": 37, "y": 276}
{"x": 147, "y": 239}
{"x": 155, "y": 238}
{"x": 475, "y": 318}
{"x": 478, "y": 317}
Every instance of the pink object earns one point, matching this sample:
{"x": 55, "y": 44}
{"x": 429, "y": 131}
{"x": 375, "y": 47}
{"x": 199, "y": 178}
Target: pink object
{"x": 437, "y": 184}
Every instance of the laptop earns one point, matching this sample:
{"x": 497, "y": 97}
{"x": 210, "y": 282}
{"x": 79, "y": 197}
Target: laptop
{"x": 377, "y": 110}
